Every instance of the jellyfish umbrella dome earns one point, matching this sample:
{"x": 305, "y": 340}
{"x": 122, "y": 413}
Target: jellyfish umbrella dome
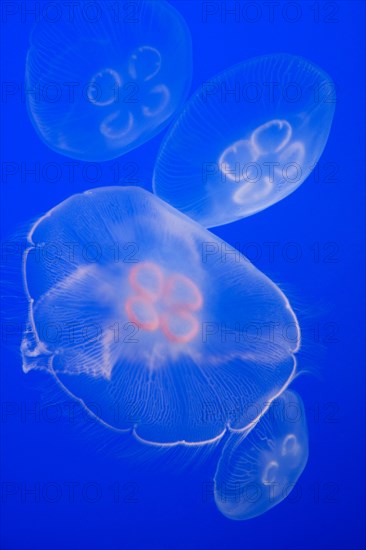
{"x": 246, "y": 139}
{"x": 154, "y": 324}
{"x": 258, "y": 470}
{"x": 102, "y": 80}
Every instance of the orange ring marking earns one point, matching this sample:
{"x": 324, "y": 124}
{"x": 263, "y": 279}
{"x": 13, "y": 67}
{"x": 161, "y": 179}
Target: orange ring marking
{"x": 145, "y": 325}
{"x": 169, "y": 287}
{"x": 184, "y": 338}
{"x": 139, "y": 288}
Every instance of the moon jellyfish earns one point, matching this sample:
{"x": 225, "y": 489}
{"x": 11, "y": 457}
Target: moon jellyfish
{"x": 107, "y": 78}
{"x": 246, "y": 139}
{"x": 259, "y": 470}
{"x": 157, "y": 326}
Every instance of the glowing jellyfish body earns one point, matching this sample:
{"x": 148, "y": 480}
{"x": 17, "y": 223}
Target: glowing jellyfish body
{"x": 258, "y": 471}
{"x": 247, "y": 139}
{"x": 105, "y": 80}
{"x": 156, "y": 325}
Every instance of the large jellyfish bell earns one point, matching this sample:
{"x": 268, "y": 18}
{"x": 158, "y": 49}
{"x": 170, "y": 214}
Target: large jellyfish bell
{"x": 154, "y": 324}
{"x": 103, "y": 79}
{"x": 257, "y": 471}
{"x": 247, "y": 138}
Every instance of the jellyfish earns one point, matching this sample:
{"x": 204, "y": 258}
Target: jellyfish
{"x": 155, "y": 325}
{"x": 106, "y": 78}
{"x": 246, "y": 139}
{"x": 258, "y": 470}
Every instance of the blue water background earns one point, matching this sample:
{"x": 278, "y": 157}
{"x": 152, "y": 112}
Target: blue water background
{"x": 317, "y": 239}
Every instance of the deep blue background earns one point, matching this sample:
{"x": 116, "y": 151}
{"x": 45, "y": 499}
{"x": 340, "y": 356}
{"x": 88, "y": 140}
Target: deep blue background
{"x": 164, "y": 508}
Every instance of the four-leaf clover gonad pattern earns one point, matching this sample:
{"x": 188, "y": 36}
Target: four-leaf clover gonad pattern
{"x": 168, "y": 302}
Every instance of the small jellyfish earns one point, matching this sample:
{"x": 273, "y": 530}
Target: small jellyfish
{"x": 246, "y": 139}
{"x": 157, "y": 326}
{"x": 259, "y": 470}
{"x": 106, "y": 78}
